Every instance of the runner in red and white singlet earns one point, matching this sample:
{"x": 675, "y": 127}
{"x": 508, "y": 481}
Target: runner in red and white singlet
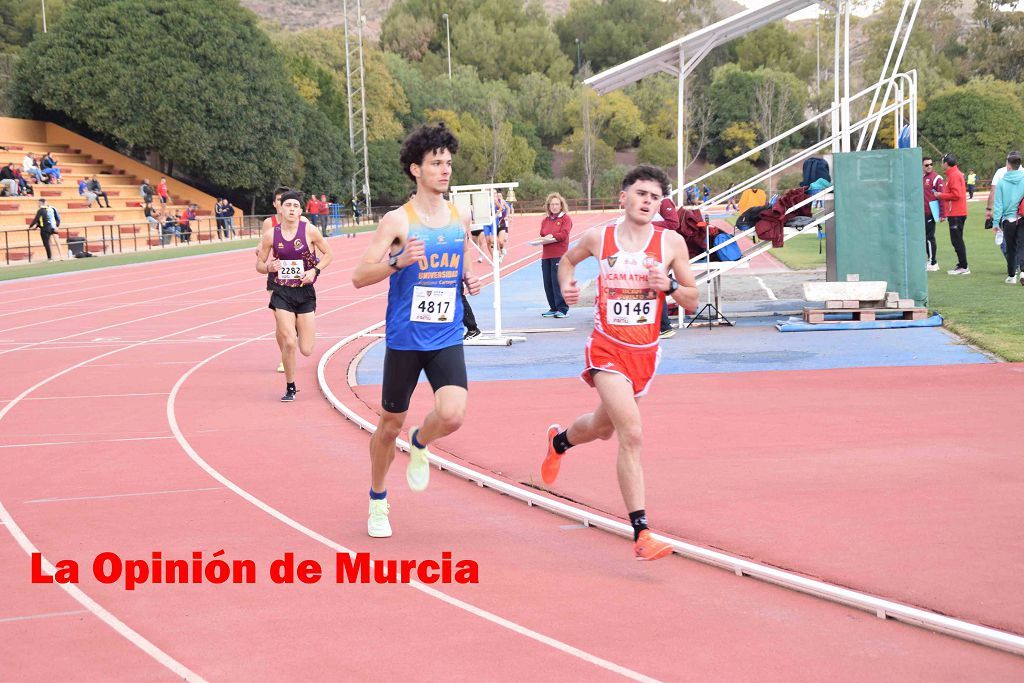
{"x": 622, "y": 352}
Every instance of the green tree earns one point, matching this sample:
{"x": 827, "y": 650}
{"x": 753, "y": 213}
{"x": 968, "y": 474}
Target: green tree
{"x": 22, "y": 20}
{"x": 542, "y": 103}
{"x": 501, "y": 39}
{"x": 388, "y": 183}
{"x": 978, "y": 124}
{"x": 996, "y": 43}
{"x": 613, "y": 31}
{"x": 194, "y": 80}
{"x": 616, "y": 119}
{"x": 775, "y": 47}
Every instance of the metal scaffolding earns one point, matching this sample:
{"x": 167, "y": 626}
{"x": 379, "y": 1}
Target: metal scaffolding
{"x": 355, "y": 90}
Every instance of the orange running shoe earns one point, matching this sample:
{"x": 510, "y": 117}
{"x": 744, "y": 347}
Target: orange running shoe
{"x": 648, "y": 548}
{"x": 549, "y": 468}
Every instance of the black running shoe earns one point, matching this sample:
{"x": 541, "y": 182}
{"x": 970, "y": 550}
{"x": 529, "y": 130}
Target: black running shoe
{"x": 289, "y": 394}
{"x": 470, "y": 334}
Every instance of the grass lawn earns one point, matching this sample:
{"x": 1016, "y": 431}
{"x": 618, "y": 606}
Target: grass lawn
{"x": 801, "y": 252}
{"x": 980, "y": 307}
{"x": 49, "y": 267}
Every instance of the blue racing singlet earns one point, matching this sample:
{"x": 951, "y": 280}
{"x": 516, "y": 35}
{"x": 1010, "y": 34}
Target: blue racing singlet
{"x": 425, "y": 298}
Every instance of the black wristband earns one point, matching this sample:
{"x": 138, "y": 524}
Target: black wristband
{"x": 317, "y": 269}
{"x": 672, "y": 287}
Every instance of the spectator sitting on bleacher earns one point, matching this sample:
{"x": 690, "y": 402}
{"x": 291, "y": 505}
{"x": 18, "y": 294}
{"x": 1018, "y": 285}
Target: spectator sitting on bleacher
{"x": 8, "y": 181}
{"x": 152, "y": 218}
{"x": 50, "y": 168}
{"x": 94, "y": 186}
{"x": 24, "y": 187}
{"x": 83, "y": 191}
{"x": 170, "y": 224}
{"x": 29, "y": 165}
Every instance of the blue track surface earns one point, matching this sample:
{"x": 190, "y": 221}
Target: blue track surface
{"x": 754, "y": 344}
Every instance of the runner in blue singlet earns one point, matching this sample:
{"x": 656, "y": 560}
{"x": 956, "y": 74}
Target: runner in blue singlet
{"x": 422, "y": 247}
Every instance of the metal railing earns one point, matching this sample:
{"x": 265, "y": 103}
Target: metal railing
{"x": 22, "y": 245}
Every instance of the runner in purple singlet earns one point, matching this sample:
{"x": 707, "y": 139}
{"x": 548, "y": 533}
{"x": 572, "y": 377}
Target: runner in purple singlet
{"x": 289, "y": 251}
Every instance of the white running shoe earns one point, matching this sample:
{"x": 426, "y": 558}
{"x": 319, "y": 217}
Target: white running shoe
{"x": 1012, "y": 280}
{"x": 959, "y": 271}
{"x": 932, "y": 267}
{"x": 378, "y": 525}
{"x": 417, "y": 474}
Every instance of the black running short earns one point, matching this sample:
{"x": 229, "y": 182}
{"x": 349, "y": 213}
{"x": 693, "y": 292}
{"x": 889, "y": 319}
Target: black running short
{"x": 444, "y": 367}
{"x": 298, "y": 300}
{"x": 476, "y": 232}
{"x": 502, "y": 225}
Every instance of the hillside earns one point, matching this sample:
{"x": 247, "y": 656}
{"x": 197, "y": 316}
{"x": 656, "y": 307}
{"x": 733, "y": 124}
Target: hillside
{"x": 297, "y": 15}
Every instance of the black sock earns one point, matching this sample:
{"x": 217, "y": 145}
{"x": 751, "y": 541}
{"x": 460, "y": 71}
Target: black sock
{"x": 290, "y": 386}
{"x": 561, "y": 442}
{"x": 639, "y": 521}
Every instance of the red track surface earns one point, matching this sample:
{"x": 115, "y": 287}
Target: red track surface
{"x": 106, "y": 473}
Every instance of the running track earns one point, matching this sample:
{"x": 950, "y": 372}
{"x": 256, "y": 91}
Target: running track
{"x": 139, "y": 412}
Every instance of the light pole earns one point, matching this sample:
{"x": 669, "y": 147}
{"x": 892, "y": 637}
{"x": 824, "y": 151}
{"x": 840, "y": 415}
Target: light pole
{"x": 448, "y": 40}
{"x": 44, "y": 15}
{"x": 577, "y": 55}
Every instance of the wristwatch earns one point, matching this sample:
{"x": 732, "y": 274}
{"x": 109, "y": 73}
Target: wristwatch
{"x": 672, "y": 287}
{"x": 317, "y": 269}
{"x": 393, "y": 262}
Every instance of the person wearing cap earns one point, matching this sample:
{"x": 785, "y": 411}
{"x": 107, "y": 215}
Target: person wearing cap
{"x": 953, "y": 199}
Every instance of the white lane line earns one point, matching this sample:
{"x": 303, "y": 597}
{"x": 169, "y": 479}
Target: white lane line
{"x": 766, "y": 288}
{"x": 63, "y": 398}
{"x": 338, "y": 548}
{"x": 125, "y": 495}
{"x": 78, "y": 443}
{"x": 125, "y": 631}
{"x": 48, "y": 615}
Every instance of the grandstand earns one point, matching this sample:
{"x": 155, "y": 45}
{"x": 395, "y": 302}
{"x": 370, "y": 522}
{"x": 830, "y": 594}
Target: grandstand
{"x": 122, "y": 227}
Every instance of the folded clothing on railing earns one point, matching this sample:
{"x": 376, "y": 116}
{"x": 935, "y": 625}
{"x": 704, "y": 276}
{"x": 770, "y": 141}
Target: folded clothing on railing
{"x": 770, "y": 222}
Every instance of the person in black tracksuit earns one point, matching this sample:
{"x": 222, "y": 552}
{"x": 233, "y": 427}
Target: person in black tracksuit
{"x": 47, "y": 220}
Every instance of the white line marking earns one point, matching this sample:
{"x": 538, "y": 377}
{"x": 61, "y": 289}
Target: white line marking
{"x": 48, "y": 615}
{"x": 124, "y": 495}
{"x": 766, "y": 288}
{"x": 73, "y": 443}
{"x": 109, "y": 619}
{"x": 62, "y": 398}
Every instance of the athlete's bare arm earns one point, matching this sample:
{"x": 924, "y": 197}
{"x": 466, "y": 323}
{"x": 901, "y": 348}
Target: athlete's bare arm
{"x": 389, "y": 237}
{"x": 265, "y": 262}
{"x": 471, "y": 280}
{"x": 678, "y": 261}
{"x": 589, "y": 245}
{"x": 317, "y": 242}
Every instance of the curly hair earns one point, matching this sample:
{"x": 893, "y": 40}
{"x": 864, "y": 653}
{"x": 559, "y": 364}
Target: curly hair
{"x": 423, "y": 140}
{"x": 652, "y": 173}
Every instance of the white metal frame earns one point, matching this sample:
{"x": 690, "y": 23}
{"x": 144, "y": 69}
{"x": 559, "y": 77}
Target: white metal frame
{"x": 497, "y": 339}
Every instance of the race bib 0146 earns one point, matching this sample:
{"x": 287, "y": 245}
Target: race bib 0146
{"x": 630, "y": 311}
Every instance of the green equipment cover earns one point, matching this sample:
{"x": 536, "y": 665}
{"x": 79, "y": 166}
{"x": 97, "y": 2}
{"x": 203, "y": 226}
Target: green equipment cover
{"x": 879, "y": 222}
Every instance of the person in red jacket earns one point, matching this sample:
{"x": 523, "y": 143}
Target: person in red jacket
{"x": 667, "y": 218}
{"x": 313, "y": 209}
{"x": 953, "y": 201}
{"x": 555, "y": 226}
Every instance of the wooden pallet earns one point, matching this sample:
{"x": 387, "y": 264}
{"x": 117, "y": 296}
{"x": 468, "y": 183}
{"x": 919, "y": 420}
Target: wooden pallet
{"x": 863, "y": 315}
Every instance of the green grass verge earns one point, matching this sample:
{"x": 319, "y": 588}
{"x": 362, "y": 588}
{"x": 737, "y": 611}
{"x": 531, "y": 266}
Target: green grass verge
{"x": 979, "y": 307}
{"x": 801, "y": 252}
{"x": 50, "y": 267}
